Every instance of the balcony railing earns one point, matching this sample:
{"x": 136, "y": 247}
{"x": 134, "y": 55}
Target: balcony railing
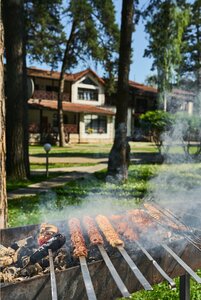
{"x": 68, "y": 128}
{"x": 45, "y": 95}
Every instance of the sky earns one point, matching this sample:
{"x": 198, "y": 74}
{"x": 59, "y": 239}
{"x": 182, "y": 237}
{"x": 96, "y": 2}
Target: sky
{"x": 140, "y": 67}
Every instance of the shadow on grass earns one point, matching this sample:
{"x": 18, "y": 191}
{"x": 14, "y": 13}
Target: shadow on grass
{"x": 79, "y": 154}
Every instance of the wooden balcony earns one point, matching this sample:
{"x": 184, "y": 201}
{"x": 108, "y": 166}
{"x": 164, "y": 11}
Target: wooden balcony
{"x": 68, "y": 128}
{"x": 45, "y": 95}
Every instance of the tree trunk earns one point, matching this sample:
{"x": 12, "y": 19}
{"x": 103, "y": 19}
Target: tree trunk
{"x": 17, "y": 161}
{"x": 3, "y": 197}
{"x": 61, "y": 85}
{"x": 119, "y": 155}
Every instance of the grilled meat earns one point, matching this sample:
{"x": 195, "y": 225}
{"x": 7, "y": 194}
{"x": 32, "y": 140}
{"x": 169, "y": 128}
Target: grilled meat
{"x": 122, "y": 226}
{"x": 163, "y": 218}
{"x": 141, "y": 219}
{"x": 46, "y": 232}
{"x": 77, "y": 238}
{"x": 93, "y": 233}
{"x": 109, "y": 232}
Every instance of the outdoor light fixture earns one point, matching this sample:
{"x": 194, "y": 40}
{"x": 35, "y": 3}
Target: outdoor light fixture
{"x": 47, "y": 147}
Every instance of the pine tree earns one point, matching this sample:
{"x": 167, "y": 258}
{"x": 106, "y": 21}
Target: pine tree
{"x": 3, "y": 196}
{"x": 44, "y": 31}
{"x": 93, "y": 34}
{"x": 17, "y": 160}
{"x": 119, "y": 155}
{"x": 165, "y": 24}
{"x": 191, "y": 52}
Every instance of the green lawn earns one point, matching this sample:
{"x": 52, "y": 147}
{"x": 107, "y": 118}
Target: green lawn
{"x": 178, "y": 180}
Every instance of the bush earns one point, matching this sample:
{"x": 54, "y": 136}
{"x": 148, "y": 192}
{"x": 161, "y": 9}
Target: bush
{"x": 154, "y": 123}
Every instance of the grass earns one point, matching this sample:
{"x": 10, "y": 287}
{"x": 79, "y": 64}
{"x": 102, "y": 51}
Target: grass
{"x": 92, "y": 193}
{"x": 35, "y": 166}
{"x": 13, "y": 185}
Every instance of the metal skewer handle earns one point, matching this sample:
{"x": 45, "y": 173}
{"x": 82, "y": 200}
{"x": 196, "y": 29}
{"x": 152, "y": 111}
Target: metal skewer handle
{"x": 52, "y": 277}
{"x": 146, "y": 285}
{"x": 87, "y": 279}
{"x": 121, "y": 286}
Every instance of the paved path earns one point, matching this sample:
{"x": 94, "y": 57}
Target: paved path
{"x": 70, "y": 174}
{"x": 70, "y": 160}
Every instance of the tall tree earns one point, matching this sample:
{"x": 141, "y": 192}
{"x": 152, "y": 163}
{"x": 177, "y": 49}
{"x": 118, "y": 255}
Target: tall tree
{"x": 44, "y": 31}
{"x": 3, "y": 197}
{"x": 17, "y": 160}
{"x": 191, "y": 51}
{"x": 165, "y": 24}
{"x": 94, "y": 34}
{"x": 119, "y": 155}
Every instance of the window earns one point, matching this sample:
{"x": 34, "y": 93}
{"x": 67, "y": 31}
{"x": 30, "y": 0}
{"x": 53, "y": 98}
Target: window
{"x": 87, "y": 94}
{"x": 95, "y": 124}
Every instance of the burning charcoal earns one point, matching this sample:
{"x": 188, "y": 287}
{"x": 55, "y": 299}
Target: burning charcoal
{"x": 34, "y": 269}
{"x": 54, "y": 244}
{"x": 28, "y": 242}
{"x": 61, "y": 259}
{"x": 6, "y": 261}
{"x": 44, "y": 262}
{"x": 5, "y": 251}
{"x": 8, "y": 274}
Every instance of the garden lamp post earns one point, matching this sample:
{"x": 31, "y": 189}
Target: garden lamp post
{"x": 47, "y": 147}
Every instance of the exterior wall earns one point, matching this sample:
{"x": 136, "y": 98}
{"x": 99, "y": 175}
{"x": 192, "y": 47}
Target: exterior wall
{"x": 34, "y": 116}
{"x": 97, "y": 137}
{"x": 190, "y": 108}
{"x": 129, "y": 122}
{"x": 79, "y": 84}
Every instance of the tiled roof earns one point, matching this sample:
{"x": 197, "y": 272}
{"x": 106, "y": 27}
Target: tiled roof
{"x": 35, "y": 72}
{"x": 71, "y": 107}
{"x": 142, "y": 87}
{"x": 182, "y": 95}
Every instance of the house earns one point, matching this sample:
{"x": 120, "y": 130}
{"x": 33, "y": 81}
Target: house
{"x": 86, "y": 117}
{"x": 88, "y": 112}
{"x": 142, "y": 98}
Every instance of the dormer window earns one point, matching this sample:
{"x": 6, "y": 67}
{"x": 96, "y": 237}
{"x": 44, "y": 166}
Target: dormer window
{"x": 87, "y": 94}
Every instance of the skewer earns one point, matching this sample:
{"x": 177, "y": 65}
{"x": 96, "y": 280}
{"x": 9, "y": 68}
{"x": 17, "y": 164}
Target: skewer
{"x": 52, "y": 277}
{"x": 87, "y": 279}
{"x": 191, "y": 241}
{"x": 121, "y": 286}
{"x": 182, "y": 263}
{"x": 169, "y": 214}
{"x": 146, "y": 285}
{"x": 157, "y": 266}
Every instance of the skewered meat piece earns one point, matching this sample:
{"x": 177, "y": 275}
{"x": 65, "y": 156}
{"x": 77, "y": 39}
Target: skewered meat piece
{"x": 77, "y": 238}
{"x": 122, "y": 227}
{"x": 94, "y": 235}
{"x": 141, "y": 219}
{"x": 108, "y": 230}
{"x": 163, "y": 218}
{"x": 46, "y": 232}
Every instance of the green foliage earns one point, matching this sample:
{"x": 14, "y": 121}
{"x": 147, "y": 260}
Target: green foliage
{"x": 191, "y": 133}
{"x": 154, "y": 123}
{"x": 165, "y": 24}
{"x": 87, "y": 26}
{"x": 44, "y": 31}
{"x": 191, "y": 41}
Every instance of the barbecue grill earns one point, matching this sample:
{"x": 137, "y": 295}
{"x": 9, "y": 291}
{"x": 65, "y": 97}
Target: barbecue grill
{"x": 126, "y": 267}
